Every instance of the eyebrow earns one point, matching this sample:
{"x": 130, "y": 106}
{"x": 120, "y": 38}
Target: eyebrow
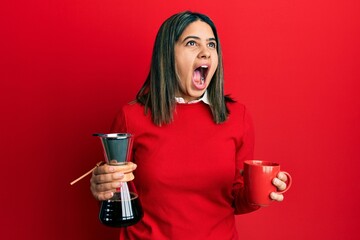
{"x": 196, "y": 37}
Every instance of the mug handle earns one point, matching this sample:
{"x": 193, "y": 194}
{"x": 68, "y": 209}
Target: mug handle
{"x": 288, "y": 182}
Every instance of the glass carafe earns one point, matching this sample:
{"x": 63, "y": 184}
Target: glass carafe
{"x": 124, "y": 208}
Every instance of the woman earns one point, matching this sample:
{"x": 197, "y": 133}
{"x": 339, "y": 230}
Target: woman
{"x": 190, "y": 140}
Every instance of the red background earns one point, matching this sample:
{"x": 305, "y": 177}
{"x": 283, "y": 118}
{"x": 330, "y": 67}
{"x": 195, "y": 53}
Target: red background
{"x": 68, "y": 66}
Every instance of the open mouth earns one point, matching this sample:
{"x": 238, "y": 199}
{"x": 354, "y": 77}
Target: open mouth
{"x": 199, "y": 76}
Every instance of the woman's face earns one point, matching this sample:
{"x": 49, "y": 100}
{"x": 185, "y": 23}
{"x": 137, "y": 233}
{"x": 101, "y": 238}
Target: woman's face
{"x": 196, "y": 60}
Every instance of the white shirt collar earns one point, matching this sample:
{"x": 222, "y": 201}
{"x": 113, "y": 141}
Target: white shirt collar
{"x": 204, "y": 99}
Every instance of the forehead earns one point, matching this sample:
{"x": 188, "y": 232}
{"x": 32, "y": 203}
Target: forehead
{"x": 199, "y": 29}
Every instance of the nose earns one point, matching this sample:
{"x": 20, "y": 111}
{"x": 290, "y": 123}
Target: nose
{"x": 204, "y": 52}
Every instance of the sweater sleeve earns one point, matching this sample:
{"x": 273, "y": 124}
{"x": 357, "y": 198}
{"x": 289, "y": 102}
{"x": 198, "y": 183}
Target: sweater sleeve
{"x": 119, "y": 124}
{"x": 245, "y": 151}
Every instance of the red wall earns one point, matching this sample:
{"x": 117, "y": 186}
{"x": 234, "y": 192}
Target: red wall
{"x": 67, "y": 67}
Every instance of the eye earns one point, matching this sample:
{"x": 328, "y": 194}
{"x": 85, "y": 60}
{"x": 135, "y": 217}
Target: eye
{"x": 212, "y": 44}
{"x": 191, "y": 43}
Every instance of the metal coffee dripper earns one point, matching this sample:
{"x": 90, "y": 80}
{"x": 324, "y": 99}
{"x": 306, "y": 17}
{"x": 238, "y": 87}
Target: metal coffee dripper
{"x": 124, "y": 208}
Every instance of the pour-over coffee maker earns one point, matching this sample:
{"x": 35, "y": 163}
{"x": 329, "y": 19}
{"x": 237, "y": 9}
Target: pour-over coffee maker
{"x": 124, "y": 208}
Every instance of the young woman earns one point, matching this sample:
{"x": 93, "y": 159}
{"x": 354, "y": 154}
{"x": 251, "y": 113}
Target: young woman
{"x": 190, "y": 140}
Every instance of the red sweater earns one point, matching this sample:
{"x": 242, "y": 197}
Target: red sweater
{"x": 188, "y": 176}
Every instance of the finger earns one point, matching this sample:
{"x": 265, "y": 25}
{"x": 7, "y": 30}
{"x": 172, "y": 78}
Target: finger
{"x": 106, "y": 168}
{"x": 111, "y": 177}
{"x": 282, "y": 176}
{"x": 277, "y": 196}
{"x": 104, "y": 191}
{"x": 99, "y": 186}
{"x": 106, "y": 178}
{"x": 128, "y": 177}
{"x": 100, "y": 196}
{"x": 101, "y": 169}
{"x": 280, "y": 185}
{"x": 104, "y": 196}
{"x": 105, "y": 187}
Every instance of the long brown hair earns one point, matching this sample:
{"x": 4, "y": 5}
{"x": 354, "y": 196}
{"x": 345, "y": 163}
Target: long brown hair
{"x": 158, "y": 92}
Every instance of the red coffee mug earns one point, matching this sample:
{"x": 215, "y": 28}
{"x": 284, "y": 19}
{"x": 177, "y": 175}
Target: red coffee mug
{"x": 258, "y": 176}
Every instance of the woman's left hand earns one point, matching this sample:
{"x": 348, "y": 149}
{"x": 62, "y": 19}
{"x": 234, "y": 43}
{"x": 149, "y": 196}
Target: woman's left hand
{"x": 280, "y": 183}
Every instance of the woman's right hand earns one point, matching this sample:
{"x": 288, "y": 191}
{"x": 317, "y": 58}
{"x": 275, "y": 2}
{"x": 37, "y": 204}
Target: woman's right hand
{"x": 107, "y": 178}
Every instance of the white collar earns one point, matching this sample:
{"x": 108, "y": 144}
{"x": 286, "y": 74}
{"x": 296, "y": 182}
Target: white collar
{"x": 204, "y": 99}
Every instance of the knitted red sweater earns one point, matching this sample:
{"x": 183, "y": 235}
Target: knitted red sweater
{"x": 188, "y": 176}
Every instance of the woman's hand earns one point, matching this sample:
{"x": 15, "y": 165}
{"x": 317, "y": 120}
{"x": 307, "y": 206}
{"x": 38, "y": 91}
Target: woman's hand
{"x": 107, "y": 178}
{"x": 280, "y": 183}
